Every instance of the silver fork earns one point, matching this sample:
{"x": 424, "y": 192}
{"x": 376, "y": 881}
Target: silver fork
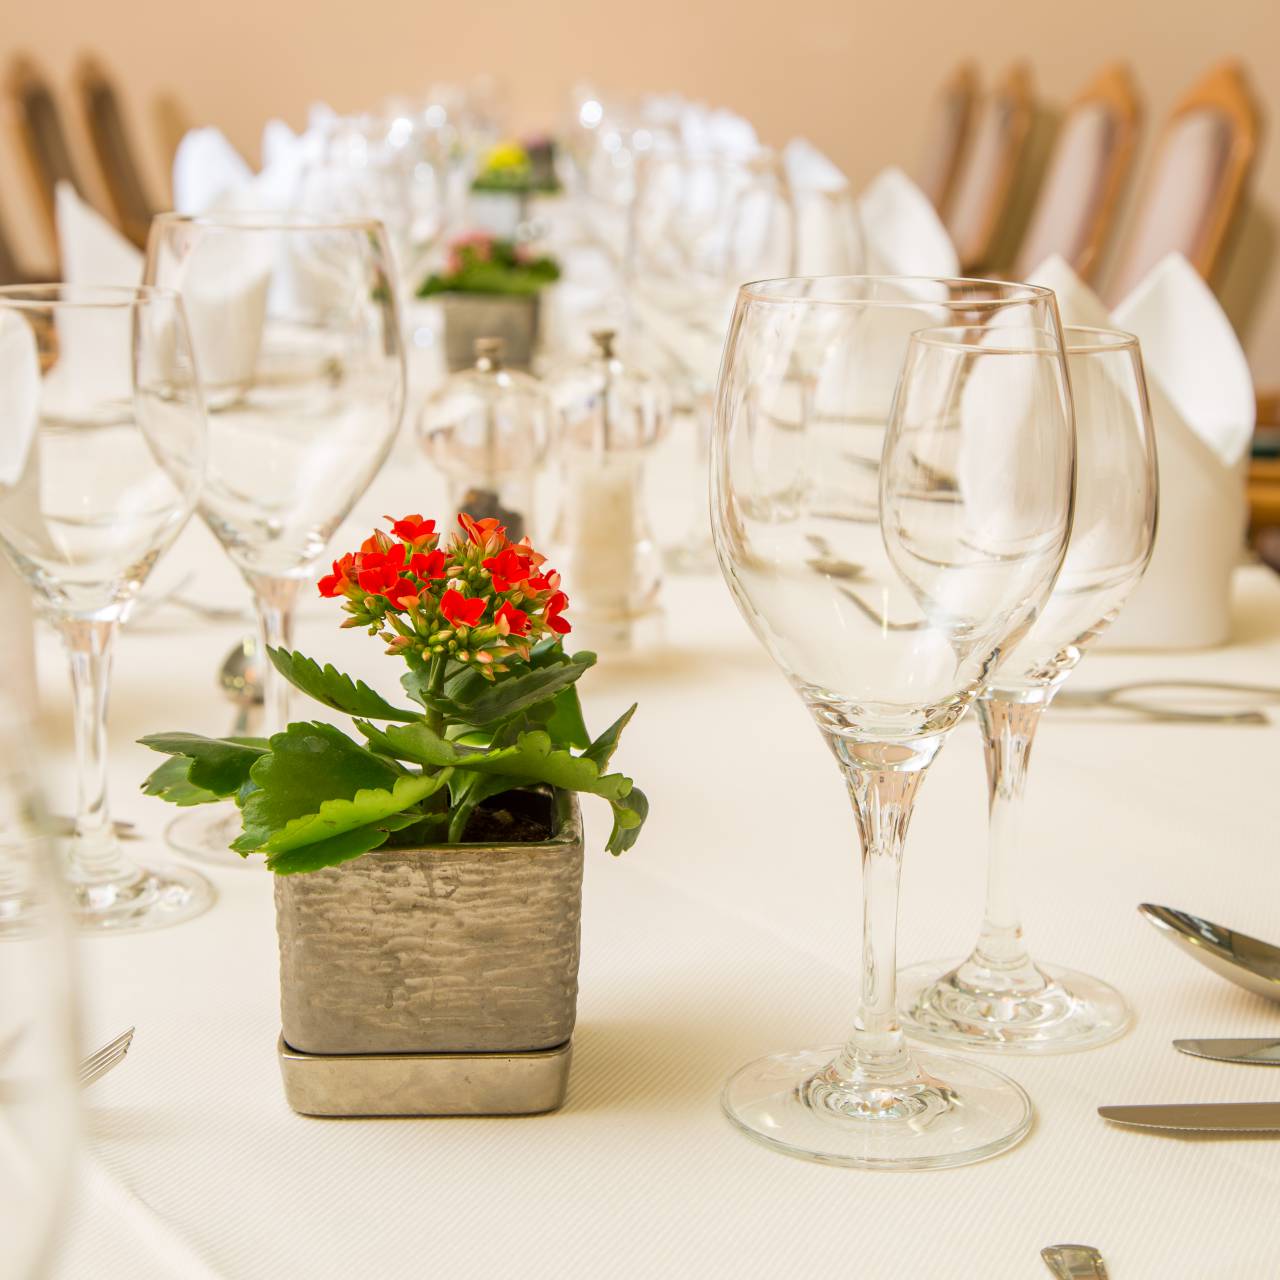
{"x": 1074, "y": 1262}
{"x": 98, "y": 1064}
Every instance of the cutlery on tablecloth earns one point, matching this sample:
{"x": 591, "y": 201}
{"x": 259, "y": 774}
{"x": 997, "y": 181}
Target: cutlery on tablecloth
{"x": 96, "y": 1065}
{"x": 1074, "y": 1262}
{"x": 240, "y": 679}
{"x": 1199, "y": 1117}
{"x": 1246, "y": 961}
{"x": 1132, "y": 698}
{"x": 1255, "y": 1052}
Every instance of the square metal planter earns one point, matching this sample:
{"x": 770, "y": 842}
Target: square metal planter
{"x": 471, "y": 316}
{"x": 418, "y": 981}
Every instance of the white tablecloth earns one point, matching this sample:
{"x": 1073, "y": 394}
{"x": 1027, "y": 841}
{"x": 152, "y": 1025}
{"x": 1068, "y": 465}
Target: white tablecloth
{"x": 729, "y": 931}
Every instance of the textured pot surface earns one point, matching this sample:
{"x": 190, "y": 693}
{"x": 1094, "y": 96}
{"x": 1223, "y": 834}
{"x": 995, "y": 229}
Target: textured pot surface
{"x": 445, "y": 949}
{"x": 470, "y": 316}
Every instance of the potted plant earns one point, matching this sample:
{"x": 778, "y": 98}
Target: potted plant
{"x": 428, "y": 874}
{"x": 490, "y": 288}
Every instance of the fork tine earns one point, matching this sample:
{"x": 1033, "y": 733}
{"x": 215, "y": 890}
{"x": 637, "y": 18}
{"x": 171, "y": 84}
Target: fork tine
{"x": 99, "y": 1069}
{"x": 124, "y": 1038}
{"x": 110, "y": 1055}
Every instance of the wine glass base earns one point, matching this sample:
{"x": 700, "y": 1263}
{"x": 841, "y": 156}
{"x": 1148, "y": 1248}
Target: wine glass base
{"x": 160, "y": 895}
{"x": 1072, "y": 1012}
{"x": 957, "y": 1112}
{"x": 205, "y": 834}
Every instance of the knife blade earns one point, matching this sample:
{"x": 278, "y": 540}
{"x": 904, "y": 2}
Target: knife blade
{"x": 1262, "y": 1052}
{"x": 1204, "y": 1117}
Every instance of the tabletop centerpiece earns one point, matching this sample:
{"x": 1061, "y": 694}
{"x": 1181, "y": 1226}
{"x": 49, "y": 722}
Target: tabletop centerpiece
{"x": 428, "y": 878}
{"x": 491, "y": 287}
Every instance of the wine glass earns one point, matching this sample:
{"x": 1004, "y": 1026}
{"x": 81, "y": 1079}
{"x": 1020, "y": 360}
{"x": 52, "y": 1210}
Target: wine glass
{"x": 102, "y": 453}
{"x": 999, "y": 998}
{"x": 296, "y": 334}
{"x": 39, "y": 1097}
{"x": 886, "y": 548}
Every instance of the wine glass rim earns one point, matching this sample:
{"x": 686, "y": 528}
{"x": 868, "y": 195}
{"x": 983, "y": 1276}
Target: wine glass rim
{"x": 42, "y": 297}
{"x": 1086, "y": 339}
{"x": 269, "y": 220}
{"x": 790, "y": 290}
{"x": 985, "y": 340}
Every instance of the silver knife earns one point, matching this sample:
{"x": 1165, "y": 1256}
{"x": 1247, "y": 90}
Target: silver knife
{"x": 1204, "y": 1117}
{"x": 1263, "y": 1052}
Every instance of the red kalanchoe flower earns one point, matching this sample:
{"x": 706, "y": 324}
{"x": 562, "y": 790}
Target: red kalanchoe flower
{"x": 430, "y": 566}
{"x": 459, "y": 610}
{"x": 379, "y": 570}
{"x": 402, "y": 593}
{"x": 551, "y": 614}
{"x": 337, "y": 582}
{"x": 549, "y": 581}
{"x": 377, "y": 543}
{"x": 413, "y": 529}
{"x": 512, "y": 621}
{"x": 510, "y": 567}
{"x": 481, "y": 531}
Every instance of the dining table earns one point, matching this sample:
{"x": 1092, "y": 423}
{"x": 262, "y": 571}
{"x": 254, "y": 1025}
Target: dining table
{"x": 730, "y": 930}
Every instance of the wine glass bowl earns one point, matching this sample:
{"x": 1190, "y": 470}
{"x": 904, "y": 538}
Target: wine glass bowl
{"x": 891, "y": 494}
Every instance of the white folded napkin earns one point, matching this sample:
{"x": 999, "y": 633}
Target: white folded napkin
{"x": 206, "y": 168}
{"x": 1203, "y": 409}
{"x": 903, "y": 233}
{"x": 829, "y": 238}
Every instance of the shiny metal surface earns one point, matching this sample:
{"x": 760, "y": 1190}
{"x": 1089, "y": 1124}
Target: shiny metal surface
{"x": 426, "y": 1084}
{"x": 1246, "y": 961}
{"x": 1200, "y": 1117}
{"x": 1260, "y": 1052}
{"x": 1074, "y": 1262}
{"x": 96, "y": 1065}
{"x": 240, "y": 679}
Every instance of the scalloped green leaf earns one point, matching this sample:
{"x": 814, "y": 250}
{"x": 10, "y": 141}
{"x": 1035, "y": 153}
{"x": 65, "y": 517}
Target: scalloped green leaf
{"x": 366, "y": 808}
{"x": 170, "y": 783}
{"x": 602, "y": 749}
{"x": 217, "y": 765}
{"x": 329, "y": 686}
{"x": 328, "y": 853}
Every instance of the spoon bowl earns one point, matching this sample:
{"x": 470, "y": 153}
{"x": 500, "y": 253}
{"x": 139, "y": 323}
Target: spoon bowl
{"x": 1248, "y": 962}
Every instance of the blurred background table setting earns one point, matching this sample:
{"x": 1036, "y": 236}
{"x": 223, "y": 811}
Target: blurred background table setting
{"x": 349, "y": 415}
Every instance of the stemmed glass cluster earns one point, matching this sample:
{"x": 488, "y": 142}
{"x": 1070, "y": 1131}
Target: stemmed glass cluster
{"x": 891, "y": 506}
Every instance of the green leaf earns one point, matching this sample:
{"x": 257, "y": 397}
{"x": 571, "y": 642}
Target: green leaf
{"x": 566, "y": 725}
{"x": 466, "y": 790}
{"x": 532, "y": 758}
{"x": 309, "y": 763}
{"x": 602, "y": 749}
{"x": 217, "y": 765}
{"x": 327, "y": 685}
{"x": 170, "y": 783}
{"x": 365, "y": 808}
{"x": 328, "y": 853}
{"x": 627, "y": 820}
{"x": 514, "y": 693}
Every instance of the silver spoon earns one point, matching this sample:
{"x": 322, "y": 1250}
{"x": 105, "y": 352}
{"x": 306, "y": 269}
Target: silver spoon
{"x": 240, "y": 679}
{"x": 1246, "y": 961}
{"x": 1074, "y": 1262}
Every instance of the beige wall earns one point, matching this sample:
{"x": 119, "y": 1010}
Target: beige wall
{"x": 856, "y": 77}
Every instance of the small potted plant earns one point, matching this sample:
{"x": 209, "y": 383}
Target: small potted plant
{"x": 428, "y": 875}
{"x": 491, "y": 289}
{"x": 510, "y": 176}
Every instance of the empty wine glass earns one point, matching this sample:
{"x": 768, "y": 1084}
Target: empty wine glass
{"x": 885, "y": 548}
{"x": 102, "y": 452}
{"x": 39, "y": 1103}
{"x": 999, "y": 998}
{"x": 296, "y": 335}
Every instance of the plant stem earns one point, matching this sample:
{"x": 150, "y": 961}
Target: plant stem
{"x": 435, "y": 686}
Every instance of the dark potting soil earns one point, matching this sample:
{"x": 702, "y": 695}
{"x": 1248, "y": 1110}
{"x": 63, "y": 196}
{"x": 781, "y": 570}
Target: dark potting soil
{"x": 514, "y": 817}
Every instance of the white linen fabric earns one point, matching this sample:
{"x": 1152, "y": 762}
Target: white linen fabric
{"x": 904, "y": 235}
{"x": 729, "y": 931}
{"x": 1203, "y": 408}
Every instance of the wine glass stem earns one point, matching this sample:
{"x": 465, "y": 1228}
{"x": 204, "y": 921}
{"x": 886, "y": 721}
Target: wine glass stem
{"x": 95, "y": 857}
{"x": 883, "y": 794}
{"x": 275, "y": 599}
{"x": 1008, "y": 730}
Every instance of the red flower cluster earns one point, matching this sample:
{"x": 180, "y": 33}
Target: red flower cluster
{"x": 481, "y": 598}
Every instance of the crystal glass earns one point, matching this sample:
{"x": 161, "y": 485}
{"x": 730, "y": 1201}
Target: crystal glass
{"x": 998, "y": 997}
{"x": 886, "y": 548}
{"x": 102, "y": 453}
{"x": 609, "y": 415}
{"x": 39, "y": 1098}
{"x": 487, "y": 429}
{"x": 296, "y": 334}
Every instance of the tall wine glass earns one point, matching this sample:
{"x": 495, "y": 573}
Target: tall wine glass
{"x": 296, "y": 335}
{"x": 885, "y": 548}
{"x": 999, "y": 998}
{"x": 102, "y": 453}
{"x": 39, "y": 1103}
